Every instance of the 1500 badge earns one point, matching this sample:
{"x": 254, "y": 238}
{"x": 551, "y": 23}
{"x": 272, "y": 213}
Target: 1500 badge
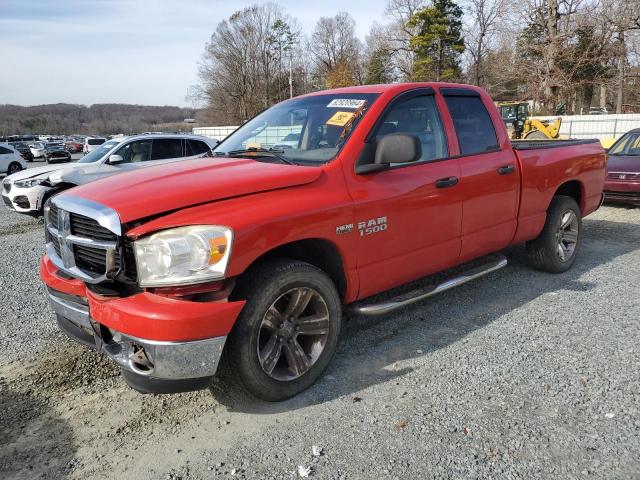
{"x": 365, "y": 228}
{"x": 374, "y": 225}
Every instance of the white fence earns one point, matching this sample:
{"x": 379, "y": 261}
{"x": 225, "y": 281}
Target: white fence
{"x": 218, "y": 133}
{"x": 266, "y": 138}
{"x": 602, "y": 127}
{"x": 605, "y": 128}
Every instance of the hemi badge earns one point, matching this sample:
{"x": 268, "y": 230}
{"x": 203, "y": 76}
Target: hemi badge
{"x": 342, "y": 229}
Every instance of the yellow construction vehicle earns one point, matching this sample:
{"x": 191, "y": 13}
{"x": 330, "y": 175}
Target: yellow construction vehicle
{"x": 516, "y": 118}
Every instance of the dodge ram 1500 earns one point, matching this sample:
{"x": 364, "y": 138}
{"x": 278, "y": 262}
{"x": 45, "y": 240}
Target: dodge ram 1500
{"x": 249, "y": 257}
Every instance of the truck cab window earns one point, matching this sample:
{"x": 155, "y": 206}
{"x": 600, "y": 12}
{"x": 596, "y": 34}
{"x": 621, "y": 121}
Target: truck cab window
{"x": 473, "y": 124}
{"x": 417, "y": 116}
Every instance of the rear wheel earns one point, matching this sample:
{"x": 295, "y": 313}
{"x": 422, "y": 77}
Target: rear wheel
{"x": 287, "y": 332}
{"x": 13, "y": 168}
{"x": 556, "y": 248}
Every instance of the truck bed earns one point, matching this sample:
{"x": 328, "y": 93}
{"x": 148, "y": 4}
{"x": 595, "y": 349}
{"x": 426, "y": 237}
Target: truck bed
{"x": 546, "y": 166}
{"x": 535, "y": 144}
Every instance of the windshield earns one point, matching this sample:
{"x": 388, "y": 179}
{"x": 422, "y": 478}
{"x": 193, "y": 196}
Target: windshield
{"x": 305, "y": 130}
{"x": 629, "y": 144}
{"x": 99, "y": 152}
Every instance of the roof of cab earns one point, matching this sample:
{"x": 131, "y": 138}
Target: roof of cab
{"x": 398, "y": 87}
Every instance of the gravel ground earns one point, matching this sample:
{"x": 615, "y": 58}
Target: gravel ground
{"x": 520, "y": 374}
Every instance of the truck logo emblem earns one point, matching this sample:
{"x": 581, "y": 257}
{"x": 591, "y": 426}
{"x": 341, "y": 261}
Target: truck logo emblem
{"x": 374, "y": 225}
{"x": 64, "y": 231}
{"x": 343, "y": 229}
{"x": 622, "y": 176}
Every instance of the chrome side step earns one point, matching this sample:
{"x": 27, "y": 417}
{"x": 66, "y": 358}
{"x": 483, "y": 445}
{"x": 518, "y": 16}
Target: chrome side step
{"x": 495, "y": 262}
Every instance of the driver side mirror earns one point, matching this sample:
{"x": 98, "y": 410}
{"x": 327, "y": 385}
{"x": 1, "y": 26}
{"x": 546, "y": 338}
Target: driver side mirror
{"x": 393, "y": 148}
{"x": 115, "y": 159}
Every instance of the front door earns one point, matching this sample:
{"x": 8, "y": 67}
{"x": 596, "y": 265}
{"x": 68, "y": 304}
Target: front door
{"x": 408, "y": 223}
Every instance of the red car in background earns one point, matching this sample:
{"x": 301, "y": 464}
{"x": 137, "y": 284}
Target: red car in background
{"x": 622, "y": 184}
{"x": 73, "y": 146}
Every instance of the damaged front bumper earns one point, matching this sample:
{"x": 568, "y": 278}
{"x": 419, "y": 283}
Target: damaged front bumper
{"x": 162, "y": 345}
{"x": 149, "y": 366}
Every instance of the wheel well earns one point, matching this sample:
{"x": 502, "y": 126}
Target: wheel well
{"x": 318, "y": 252}
{"x": 571, "y": 189}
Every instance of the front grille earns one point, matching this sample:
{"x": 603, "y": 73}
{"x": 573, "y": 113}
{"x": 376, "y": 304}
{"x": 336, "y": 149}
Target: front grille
{"x": 89, "y": 258}
{"x": 79, "y": 244}
{"x": 6, "y": 186}
{"x": 53, "y": 216}
{"x": 90, "y": 228}
{"x": 93, "y": 259}
{"x": 628, "y": 177}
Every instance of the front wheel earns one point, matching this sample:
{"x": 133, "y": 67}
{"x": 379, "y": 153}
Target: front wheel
{"x": 287, "y": 332}
{"x": 556, "y": 248}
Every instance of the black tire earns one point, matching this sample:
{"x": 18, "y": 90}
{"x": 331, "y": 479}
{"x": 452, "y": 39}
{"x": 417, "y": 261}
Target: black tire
{"x": 545, "y": 252}
{"x": 13, "y": 167}
{"x": 262, "y": 288}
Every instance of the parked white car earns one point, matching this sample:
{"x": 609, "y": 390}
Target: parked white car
{"x": 10, "y": 160}
{"x": 37, "y": 149}
{"x": 92, "y": 143}
{"x": 27, "y": 192}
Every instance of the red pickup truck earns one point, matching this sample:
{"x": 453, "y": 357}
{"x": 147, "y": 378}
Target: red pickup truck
{"x": 247, "y": 257}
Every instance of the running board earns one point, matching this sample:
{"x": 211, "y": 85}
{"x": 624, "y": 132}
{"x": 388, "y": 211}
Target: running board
{"x": 496, "y": 262}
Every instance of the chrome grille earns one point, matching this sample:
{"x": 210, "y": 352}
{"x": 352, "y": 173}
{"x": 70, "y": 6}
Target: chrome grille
{"x": 53, "y": 216}
{"x": 94, "y": 259}
{"x": 88, "y": 227}
{"x": 6, "y": 186}
{"x": 630, "y": 177}
{"x": 78, "y": 242}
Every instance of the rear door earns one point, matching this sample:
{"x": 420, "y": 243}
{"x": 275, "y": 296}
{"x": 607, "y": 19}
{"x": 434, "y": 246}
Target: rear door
{"x": 166, "y": 150}
{"x": 489, "y": 176}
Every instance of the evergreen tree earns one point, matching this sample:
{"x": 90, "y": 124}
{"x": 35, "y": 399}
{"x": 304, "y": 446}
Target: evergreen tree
{"x": 380, "y": 67}
{"x": 438, "y": 43}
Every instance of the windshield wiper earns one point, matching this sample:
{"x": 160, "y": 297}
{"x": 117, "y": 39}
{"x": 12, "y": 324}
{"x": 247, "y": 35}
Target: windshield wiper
{"x": 269, "y": 152}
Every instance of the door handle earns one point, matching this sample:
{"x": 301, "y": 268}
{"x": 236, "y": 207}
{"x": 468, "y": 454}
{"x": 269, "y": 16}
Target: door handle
{"x": 506, "y": 169}
{"x": 446, "y": 182}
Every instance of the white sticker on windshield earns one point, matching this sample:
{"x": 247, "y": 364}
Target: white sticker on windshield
{"x": 346, "y": 103}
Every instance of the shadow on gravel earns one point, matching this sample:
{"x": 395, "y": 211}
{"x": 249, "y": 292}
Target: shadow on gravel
{"x": 370, "y": 346}
{"x": 34, "y": 442}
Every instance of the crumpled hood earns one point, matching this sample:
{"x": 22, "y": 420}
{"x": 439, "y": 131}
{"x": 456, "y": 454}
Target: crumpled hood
{"x": 154, "y": 190}
{"x": 43, "y": 171}
{"x": 82, "y": 173}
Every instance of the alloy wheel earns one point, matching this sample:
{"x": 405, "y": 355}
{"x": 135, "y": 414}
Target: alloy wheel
{"x": 567, "y": 235}
{"x": 293, "y": 334}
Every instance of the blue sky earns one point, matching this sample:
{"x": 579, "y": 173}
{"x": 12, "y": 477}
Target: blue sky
{"x": 128, "y": 51}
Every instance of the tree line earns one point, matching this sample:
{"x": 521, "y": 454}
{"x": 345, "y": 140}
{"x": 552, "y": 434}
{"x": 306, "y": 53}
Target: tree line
{"x": 100, "y": 119}
{"x": 565, "y": 55}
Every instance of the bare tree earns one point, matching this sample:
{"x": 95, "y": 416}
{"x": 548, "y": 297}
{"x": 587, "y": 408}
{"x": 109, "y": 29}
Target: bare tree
{"x": 482, "y": 27}
{"x": 624, "y": 18}
{"x": 336, "y": 50}
{"x": 239, "y": 72}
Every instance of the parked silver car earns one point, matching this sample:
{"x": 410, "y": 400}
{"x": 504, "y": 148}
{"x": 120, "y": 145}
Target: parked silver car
{"x": 28, "y": 190}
